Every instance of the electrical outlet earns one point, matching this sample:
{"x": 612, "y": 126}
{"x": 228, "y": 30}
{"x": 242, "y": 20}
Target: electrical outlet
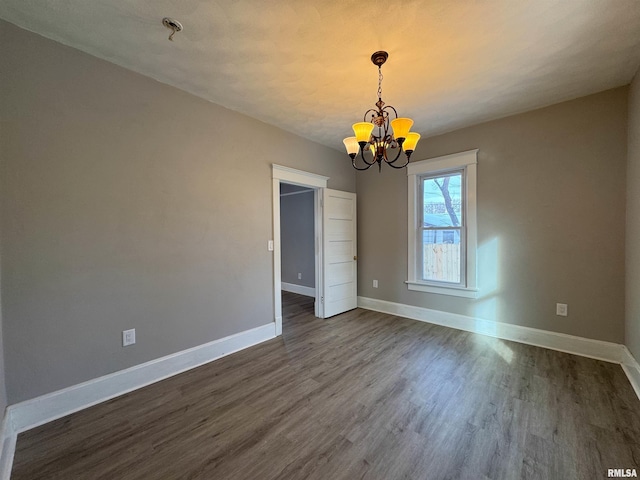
{"x": 375, "y": 284}
{"x": 562, "y": 309}
{"x": 128, "y": 337}
{"x": 299, "y": 276}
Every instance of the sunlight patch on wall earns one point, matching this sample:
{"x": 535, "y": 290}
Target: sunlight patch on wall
{"x": 488, "y": 267}
{"x": 488, "y": 303}
{"x": 487, "y": 309}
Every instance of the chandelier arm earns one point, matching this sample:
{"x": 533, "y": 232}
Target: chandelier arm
{"x": 353, "y": 162}
{"x": 399, "y": 166}
{"x": 364, "y": 118}
{"x": 364, "y": 159}
{"x": 399, "y": 151}
{"x": 395, "y": 159}
{"x": 392, "y": 108}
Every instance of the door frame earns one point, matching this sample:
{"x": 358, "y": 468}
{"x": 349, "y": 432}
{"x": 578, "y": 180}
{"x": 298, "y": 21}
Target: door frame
{"x": 281, "y": 174}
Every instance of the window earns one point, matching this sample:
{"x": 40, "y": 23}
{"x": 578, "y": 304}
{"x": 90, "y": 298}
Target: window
{"x": 442, "y": 225}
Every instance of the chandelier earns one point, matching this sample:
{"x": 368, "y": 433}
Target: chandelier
{"x": 381, "y": 142}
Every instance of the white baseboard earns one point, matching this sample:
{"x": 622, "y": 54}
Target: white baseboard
{"x": 32, "y": 413}
{"x": 8, "y": 437}
{"x": 632, "y": 368}
{"x": 585, "y": 347}
{"x": 299, "y": 289}
{"x": 37, "y": 411}
{"x": 43, "y": 409}
{"x": 46, "y": 408}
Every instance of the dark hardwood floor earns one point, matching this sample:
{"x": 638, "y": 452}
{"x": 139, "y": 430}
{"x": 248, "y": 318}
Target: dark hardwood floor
{"x": 362, "y": 395}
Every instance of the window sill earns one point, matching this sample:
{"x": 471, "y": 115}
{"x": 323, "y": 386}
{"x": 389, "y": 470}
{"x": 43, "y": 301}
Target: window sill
{"x": 453, "y": 291}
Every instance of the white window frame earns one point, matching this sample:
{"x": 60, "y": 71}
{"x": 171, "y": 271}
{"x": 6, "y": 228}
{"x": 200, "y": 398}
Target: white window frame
{"x": 466, "y": 161}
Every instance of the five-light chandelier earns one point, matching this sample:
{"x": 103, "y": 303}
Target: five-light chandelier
{"x": 381, "y": 141}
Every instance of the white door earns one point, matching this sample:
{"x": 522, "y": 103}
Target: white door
{"x": 339, "y": 245}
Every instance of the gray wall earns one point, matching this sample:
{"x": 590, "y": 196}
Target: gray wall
{"x": 551, "y": 216}
{"x": 127, "y": 203}
{"x": 3, "y": 391}
{"x": 297, "y": 231}
{"x": 632, "y": 330}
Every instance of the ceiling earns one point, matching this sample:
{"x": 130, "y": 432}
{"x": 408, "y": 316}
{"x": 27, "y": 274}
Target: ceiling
{"x": 304, "y": 65}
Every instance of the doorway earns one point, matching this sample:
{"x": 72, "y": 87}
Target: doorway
{"x": 335, "y": 244}
{"x": 297, "y": 249}
{"x": 296, "y": 180}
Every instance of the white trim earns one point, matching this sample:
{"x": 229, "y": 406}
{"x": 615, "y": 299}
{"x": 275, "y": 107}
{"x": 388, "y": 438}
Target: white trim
{"x": 632, "y": 369}
{"x": 277, "y": 257}
{"x": 472, "y": 224}
{"x": 318, "y": 308}
{"x": 296, "y": 193}
{"x": 298, "y": 177}
{"x": 46, "y": 408}
{"x": 467, "y": 160}
{"x": 299, "y": 289}
{"x": 305, "y": 179}
{"x": 454, "y": 290}
{"x": 585, "y": 347}
{"x": 278, "y": 321}
{"x": 40, "y": 410}
{"x": 8, "y": 438}
{"x": 444, "y": 162}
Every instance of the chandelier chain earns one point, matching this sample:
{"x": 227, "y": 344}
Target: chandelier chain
{"x": 379, "y": 83}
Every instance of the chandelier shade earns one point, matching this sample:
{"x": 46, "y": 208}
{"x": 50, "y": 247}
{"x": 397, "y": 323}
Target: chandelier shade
{"x": 374, "y": 135}
{"x": 401, "y": 127}
{"x": 351, "y": 144}
{"x": 363, "y": 131}
{"x": 411, "y": 141}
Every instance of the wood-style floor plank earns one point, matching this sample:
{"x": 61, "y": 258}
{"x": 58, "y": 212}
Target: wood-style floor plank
{"x": 362, "y": 395}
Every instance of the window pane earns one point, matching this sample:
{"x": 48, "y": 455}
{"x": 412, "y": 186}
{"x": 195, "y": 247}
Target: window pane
{"x": 442, "y": 201}
{"x": 441, "y": 258}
